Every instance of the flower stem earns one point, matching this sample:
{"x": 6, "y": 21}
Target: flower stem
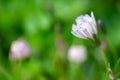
{"x": 104, "y": 58}
{"x": 107, "y": 65}
{"x": 20, "y": 69}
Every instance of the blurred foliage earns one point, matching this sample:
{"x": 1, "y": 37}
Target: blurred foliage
{"x": 46, "y": 25}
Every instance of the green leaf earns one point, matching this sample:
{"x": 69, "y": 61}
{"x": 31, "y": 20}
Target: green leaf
{"x": 117, "y": 65}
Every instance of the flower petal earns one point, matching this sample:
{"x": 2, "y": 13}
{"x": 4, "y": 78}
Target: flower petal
{"x": 87, "y": 31}
{"x": 87, "y": 18}
{"x": 93, "y": 18}
{"x": 94, "y": 26}
{"x": 76, "y": 32}
{"x": 79, "y": 19}
{"x": 78, "y": 35}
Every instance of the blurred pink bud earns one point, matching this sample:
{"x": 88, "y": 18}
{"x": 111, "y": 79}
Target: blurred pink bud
{"x": 77, "y": 54}
{"x": 19, "y": 50}
{"x": 104, "y": 46}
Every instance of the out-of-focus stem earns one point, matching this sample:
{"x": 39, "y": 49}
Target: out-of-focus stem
{"x": 109, "y": 70}
{"x": 104, "y": 58}
{"x": 20, "y": 69}
{"x": 111, "y": 76}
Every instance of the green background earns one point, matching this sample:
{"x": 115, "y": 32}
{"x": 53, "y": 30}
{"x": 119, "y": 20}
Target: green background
{"x": 46, "y": 26}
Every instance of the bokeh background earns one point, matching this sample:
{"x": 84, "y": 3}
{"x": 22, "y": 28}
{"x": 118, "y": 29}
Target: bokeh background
{"x": 46, "y": 26}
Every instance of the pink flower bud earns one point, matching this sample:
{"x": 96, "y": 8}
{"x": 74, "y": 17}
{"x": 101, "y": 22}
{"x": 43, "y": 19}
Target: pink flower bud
{"x": 19, "y": 50}
{"x": 77, "y": 54}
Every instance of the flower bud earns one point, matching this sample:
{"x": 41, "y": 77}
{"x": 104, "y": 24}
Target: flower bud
{"x": 104, "y": 46}
{"x": 77, "y": 54}
{"x": 19, "y": 50}
{"x": 85, "y": 27}
{"x": 101, "y": 25}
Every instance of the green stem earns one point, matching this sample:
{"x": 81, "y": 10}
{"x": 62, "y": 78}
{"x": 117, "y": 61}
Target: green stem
{"x": 107, "y": 65}
{"x": 20, "y": 69}
{"x": 104, "y": 58}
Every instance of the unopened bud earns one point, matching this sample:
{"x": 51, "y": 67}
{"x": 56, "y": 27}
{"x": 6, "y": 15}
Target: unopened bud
{"x": 19, "y": 50}
{"x": 104, "y": 46}
{"x": 101, "y": 25}
{"x": 77, "y": 54}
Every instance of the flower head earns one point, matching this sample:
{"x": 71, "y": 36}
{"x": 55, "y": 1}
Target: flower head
{"x": 85, "y": 27}
{"x": 77, "y": 54}
{"x": 19, "y": 50}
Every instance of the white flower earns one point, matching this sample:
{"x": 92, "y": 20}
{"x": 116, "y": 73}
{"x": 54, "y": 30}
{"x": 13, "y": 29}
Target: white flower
{"x": 19, "y": 50}
{"x": 77, "y": 54}
{"x": 85, "y": 27}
